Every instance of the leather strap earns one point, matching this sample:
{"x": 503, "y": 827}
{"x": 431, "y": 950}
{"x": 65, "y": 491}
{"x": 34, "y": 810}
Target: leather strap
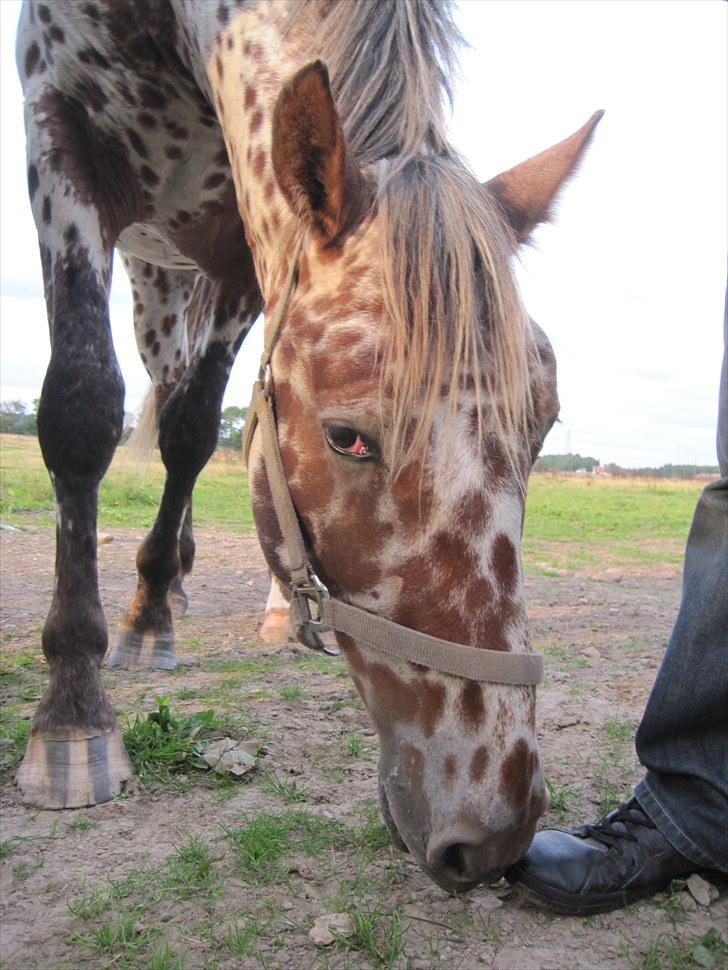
{"x": 314, "y": 610}
{"x": 472, "y": 663}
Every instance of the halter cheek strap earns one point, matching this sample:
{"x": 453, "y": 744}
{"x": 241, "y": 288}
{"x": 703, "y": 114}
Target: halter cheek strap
{"x": 314, "y": 610}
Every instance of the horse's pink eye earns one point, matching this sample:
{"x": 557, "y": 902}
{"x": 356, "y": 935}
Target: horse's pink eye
{"x": 348, "y": 441}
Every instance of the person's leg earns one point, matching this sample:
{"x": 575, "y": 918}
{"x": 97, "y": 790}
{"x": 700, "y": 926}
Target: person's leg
{"x": 678, "y": 821}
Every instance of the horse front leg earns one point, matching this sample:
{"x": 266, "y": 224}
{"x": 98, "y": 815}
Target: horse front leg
{"x": 188, "y": 430}
{"x": 75, "y": 755}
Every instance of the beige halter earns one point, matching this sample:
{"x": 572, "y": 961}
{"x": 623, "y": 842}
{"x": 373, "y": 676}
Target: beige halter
{"x": 313, "y": 609}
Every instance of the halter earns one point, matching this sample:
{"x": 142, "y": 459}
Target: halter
{"x": 313, "y": 609}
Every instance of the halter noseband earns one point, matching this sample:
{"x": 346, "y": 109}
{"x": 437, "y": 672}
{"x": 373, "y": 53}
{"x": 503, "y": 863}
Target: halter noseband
{"x": 314, "y": 610}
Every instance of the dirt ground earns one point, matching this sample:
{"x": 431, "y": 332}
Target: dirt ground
{"x": 603, "y": 636}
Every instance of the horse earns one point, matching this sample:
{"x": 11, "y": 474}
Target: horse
{"x": 292, "y": 155}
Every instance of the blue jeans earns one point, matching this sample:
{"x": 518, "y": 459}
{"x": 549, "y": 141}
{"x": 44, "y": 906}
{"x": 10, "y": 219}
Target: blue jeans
{"x": 683, "y": 738}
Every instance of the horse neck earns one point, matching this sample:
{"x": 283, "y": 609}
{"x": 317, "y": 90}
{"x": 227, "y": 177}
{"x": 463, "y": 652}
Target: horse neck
{"x": 250, "y": 59}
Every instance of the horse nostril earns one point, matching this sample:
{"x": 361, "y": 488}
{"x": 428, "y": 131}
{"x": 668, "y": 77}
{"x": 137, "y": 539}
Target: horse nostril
{"x": 454, "y": 862}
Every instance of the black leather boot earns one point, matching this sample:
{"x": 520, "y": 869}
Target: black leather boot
{"x": 596, "y": 868}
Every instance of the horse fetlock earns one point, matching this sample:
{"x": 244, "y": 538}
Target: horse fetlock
{"x": 73, "y": 767}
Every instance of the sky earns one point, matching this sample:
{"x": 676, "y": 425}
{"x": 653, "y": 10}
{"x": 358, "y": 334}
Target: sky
{"x": 628, "y": 281}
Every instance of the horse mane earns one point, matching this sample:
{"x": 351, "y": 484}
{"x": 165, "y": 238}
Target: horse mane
{"x": 451, "y": 298}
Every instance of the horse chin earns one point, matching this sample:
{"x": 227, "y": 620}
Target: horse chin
{"x": 389, "y": 821}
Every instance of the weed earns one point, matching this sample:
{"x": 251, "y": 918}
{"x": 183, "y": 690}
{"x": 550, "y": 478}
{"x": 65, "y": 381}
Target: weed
{"x": 290, "y": 693}
{"x": 672, "y": 906}
{"x": 260, "y": 844}
{"x": 264, "y": 841}
{"x": 6, "y": 847}
{"x": 371, "y": 834}
{"x": 288, "y": 791}
{"x": 559, "y": 798}
{"x": 91, "y": 905}
{"x": 564, "y": 657}
{"x": 355, "y": 745}
{"x": 240, "y": 939}
{"x": 190, "y": 871}
{"x": 162, "y": 745}
{"x": 618, "y": 730}
{"x": 666, "y": 953}
{"x": 379, "y": 935}
{"x": 163, "y": 958}
{"x": 24, "y": 869}
{"x": 610, "y": 794}
{"x": 82, "y": 824}
{"x": 125, "y": 934}
{"x": 14, "y": 733}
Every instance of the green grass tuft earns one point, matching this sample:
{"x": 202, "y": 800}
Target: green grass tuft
{"x": 161, "y": 745}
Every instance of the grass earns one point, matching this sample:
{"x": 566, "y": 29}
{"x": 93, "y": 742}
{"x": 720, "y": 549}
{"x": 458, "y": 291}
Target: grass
{"x": 190, "y": 871}
{"x": 710, "y": 950}
{"x": 379, "y": 935}
{"x": 129, "y": 495}
{"x": 571, "y": 523}
{"x": 162, "y": 745}
{"x": 266, "y": 843}
{"x": 560, "y": 797}
{"x": 619, "y": 730}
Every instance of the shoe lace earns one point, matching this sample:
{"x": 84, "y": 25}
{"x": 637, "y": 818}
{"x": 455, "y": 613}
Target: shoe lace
{"x": 618, "y": 824}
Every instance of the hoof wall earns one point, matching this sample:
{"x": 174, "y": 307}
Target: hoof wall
{"x": 132, "y": 649}
{"x": 276, "y": 626}
{"x": 177, "y": 598}
{"x": 73, "y": 771}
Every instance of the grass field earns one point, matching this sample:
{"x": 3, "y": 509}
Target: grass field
{"x": 572, "y": 523}
{"x": 129, "y": 494}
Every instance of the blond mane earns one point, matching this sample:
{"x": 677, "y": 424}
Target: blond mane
{"x": 450, "y": 294}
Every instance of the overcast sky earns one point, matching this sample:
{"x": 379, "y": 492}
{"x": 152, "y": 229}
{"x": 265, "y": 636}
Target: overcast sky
{"x": 628, "y": 282}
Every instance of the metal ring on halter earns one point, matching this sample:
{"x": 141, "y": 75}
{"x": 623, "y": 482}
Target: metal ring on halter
{"x": 310, "y": 622}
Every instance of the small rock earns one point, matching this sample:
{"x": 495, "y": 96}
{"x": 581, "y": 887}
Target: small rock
{"x": 103, "y": 538}
{"x": 688, "y": 903}
{"x": 230, "y": 756}
{"x": 485, "y": 900}
{"x": 321, "y": 933}
{"x": 702, "y": 891}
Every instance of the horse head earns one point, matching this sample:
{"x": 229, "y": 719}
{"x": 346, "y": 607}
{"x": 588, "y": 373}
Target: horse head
{"x": 412, "y": 395}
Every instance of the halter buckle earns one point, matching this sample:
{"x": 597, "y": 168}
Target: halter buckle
{"x": 308, "y": 611}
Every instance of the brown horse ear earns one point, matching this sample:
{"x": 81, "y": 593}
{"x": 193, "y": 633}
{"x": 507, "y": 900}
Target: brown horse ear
{"x": 321, "y": 185}
{"x": 527, "y": 191}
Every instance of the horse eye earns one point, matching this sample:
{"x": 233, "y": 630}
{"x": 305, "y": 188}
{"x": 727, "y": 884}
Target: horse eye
{"x": 349, "y": 442}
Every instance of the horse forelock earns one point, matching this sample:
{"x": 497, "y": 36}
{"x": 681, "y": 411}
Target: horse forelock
{"x": 453, "y": 312}
{"x": 455, "y": 321}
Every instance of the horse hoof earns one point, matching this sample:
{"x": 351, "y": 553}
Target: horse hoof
{"x": 164, "y": 656}
{"x": 73, "y": 768}
{"x": 148, "y": 649}
{"x": 127, "y": 650}
{"x": 275, "y": 627}
{"x": 177, "y": 597}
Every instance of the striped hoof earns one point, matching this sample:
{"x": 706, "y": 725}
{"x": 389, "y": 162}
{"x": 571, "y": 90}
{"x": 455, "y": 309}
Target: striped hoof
{"x": 73, "y": 768}
{"x": 143, "y": 650}
{"x": 276, "y": 626}
{"x": 177, "y": 597}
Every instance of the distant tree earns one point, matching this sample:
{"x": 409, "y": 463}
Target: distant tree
{"x": 232, "y": 422}
{"x": 15, "y": 418}
{"x": 564, "y": 463}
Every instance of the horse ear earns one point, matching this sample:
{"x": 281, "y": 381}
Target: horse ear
{"x": 321, "y": 185}
{"x": 527, "y": 191}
